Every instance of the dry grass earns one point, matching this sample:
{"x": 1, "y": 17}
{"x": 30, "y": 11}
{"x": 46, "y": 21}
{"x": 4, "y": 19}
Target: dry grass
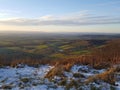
{"x": 56, "y": 71}
{"x": 107, "y": 76}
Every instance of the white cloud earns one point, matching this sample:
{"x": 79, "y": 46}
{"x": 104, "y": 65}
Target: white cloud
{"x": 76, "y": 19}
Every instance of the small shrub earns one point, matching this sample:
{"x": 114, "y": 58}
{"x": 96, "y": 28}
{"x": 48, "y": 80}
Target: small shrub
{"x": 73, "y": 83}
{"x": 78, "y": 75}
{"x": 112, "y": 88}
{"x": 4, "y": 80}
{"x": 63, "y": 82}
{"x": 25, "y": 80}
{"x": 92, "y": 87}
{"x": 6, "y": 87}
{"x": 34, "y": 84}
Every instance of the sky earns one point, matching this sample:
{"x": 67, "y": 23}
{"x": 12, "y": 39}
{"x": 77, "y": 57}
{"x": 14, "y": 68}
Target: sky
{"x": 60, "y": 15}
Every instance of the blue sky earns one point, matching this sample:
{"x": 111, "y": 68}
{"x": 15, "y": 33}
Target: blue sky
{"x": 60, "y": 15}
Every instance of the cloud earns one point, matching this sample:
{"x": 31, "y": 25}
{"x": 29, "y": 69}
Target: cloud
{"x": 63, "y": 20}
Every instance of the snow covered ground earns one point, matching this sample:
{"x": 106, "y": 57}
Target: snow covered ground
{"x": 25, "y": 77}
{"x": 31, "y": 78}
